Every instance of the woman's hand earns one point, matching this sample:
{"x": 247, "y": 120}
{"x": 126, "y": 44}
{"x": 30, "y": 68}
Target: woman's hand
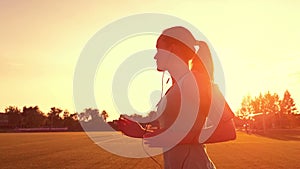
{"x": 131, "y": 128}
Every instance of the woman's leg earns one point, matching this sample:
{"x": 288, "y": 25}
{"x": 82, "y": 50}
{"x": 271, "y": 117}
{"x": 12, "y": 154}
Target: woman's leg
{"x": 187, "y": 157}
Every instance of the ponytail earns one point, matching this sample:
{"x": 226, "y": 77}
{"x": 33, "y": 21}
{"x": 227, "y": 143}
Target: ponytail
{"x": 203, "y": 62}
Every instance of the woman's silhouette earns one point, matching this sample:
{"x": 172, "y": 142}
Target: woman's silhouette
{"x": 185, "y": 106}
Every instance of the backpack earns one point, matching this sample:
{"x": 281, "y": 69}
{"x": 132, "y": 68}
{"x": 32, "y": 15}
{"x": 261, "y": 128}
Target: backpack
{"x": 219, "y": 126}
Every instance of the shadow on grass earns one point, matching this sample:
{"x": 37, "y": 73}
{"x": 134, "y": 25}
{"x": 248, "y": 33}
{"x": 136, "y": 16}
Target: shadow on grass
{"x": 281, "y": 134}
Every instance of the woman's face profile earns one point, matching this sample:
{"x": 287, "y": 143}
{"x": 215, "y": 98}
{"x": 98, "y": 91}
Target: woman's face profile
{"x": 162, "y": 56}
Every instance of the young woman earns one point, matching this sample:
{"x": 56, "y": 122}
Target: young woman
{"x": 185, "y": 106}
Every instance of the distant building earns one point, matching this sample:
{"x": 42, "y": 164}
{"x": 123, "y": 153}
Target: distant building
{"x": 3, "y": 120}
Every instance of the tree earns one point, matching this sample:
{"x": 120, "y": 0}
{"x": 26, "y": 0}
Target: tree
{"x": 83, "y": 117}
{"x": 66, "y": 114}
{"x": 270, "y": 108}
{"x": 271, "y": 103}
{"x": 14, "y": 116}
{"x": 287, "y": 110}
{"x": 71, "y": 121}
{"x": 268, "y": 111}
{"x": 54, "y": 117}
{"x": 74, "y": 116}
{"x": 67, "y": 119}
{"x": 33, "y": 117}
{"x": 246, "y": 108}
{"x": 257, "y": 104}
{"x": 287, "y": 104}
{"x": 104, "y": 115}
{"x": 91, "y": 114}
{"x": 91, "y": 120}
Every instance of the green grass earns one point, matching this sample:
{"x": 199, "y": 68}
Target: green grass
{"x": 76, "y": 150}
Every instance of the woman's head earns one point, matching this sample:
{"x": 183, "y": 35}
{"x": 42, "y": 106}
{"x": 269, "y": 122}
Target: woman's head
{"x": 175, "y": 41}
{"x": 179, "y": 42}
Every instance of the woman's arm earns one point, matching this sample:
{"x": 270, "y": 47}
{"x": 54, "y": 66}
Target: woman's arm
{"x": 131, "y": 128}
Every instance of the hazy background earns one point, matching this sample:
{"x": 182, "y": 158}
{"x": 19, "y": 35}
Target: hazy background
{"x": 40, "y": 42}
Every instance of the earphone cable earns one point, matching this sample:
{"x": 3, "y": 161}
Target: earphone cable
{"x": 161, "y": 95}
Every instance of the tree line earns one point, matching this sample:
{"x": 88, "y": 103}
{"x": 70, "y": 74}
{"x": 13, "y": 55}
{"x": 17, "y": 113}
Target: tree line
{"x": 268, "y": 111}
{"x": 33, "y": 117}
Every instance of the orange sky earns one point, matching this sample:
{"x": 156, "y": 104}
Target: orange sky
{"x": 257, "y": 43}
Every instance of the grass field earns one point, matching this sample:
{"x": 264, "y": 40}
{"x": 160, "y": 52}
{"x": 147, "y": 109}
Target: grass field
{"x": 77, "y": 151}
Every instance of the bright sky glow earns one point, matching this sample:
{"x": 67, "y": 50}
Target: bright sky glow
{"x": 40, "y": 42}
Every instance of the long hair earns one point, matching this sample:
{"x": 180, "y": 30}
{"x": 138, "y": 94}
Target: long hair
{"x": 201, "y": 59}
